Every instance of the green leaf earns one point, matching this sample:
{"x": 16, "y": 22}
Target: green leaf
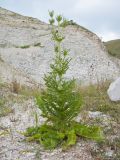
{"x": 59, "y": 18}
{"x": 92, "y": 132}
{"x": 36, "y": 137}
{"x": 71, "y": 139}
{"x": 39, "y": 100}
{"x": 65, "y": 23}
{"x": 51, "y": 13}
{"x": 49, "y": 142}
{"x": 51, "y": 21}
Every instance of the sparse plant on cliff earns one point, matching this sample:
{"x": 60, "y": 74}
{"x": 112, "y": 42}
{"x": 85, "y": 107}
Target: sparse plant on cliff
{"x": 60, "y": 103}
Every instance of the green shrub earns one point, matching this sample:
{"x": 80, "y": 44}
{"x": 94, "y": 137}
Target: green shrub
{"x": 38, "y": 45}
{"x": 60, "y": 103}
{"x": 25, "y": 46}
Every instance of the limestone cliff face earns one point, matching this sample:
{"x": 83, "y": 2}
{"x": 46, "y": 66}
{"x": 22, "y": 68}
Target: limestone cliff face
{"x": 25, "y": 43}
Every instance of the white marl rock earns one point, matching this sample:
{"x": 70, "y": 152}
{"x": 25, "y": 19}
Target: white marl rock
{"x": 90, "y": 61}
{"x": 114, "y": 90}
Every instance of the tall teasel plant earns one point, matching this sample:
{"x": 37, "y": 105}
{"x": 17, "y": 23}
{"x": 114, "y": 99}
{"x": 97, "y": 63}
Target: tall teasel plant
{"x": 60, "y": 103}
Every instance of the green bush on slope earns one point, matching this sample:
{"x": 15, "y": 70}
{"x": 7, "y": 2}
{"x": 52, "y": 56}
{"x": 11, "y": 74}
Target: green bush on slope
{"x": 113, "y": 47}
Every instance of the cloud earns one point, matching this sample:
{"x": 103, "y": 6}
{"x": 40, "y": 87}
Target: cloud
{"x": 108, "y": 36}
{"x": 99, "y": 16}
{"x": 86, "y": 5}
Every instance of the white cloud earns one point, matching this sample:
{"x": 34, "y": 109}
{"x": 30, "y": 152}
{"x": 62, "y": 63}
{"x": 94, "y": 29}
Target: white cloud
{"x": 108, "y": 36}
{"x": 86, "y": 5}
{"x": 99, "y": 16}
{"x": 94, "y": 6}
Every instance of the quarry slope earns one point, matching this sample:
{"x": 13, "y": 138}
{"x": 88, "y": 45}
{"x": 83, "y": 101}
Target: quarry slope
{"x": 25, "y": 44}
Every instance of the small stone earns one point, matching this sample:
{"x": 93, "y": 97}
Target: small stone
{"x": 94, "y": 114}
{"x": 109, "y": 153}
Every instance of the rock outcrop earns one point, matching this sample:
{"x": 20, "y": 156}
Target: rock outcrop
{"x": 25, "y": 43}
{"x": 114, "y": 90}
{"x": 9, "y": 74}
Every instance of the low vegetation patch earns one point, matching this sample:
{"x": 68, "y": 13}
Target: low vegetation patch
{"x": 15, "y": 86}
{"x": 1, "y": 60}
{"x": 4, "y": 110}
{"x": 38, "y": 45}
{"x": 23, "y": 90}
{"x": 28, "y": 46}
{"x": 25, "y": 46}
{"x": 96, "y": 98}
{"x": 113, "y": 48}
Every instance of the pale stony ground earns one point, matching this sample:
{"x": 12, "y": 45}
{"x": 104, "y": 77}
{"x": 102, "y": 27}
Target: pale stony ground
{"x": 14, "y": 147}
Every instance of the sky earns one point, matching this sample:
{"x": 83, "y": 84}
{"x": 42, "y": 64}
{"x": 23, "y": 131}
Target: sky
{"x": 100, "y": 16}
